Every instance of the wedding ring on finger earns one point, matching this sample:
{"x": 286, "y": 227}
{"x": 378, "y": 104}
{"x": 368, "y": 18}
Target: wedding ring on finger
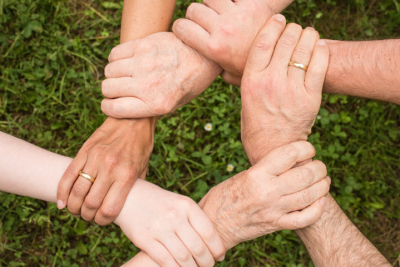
{"x": 298, "y": 65}
{"x": 87, "y": 176}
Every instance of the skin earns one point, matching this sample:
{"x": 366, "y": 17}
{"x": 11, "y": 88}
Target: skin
{"x": 136, "y": 67}
{"x": 353, "y": 65}
{"x": 118, "y": 152}
{"x": 286, "y": 191}
{"x": 266, "y": 198}
{"x": 333, "y": 240}
{"x": 276, "y": 40}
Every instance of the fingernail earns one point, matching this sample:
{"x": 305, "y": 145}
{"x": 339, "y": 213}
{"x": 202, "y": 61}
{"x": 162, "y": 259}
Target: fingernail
{"x": 322, "y": 201}
{"x": 60, "y": 204}
{"x": 280, "y": 17}
{"x": 321, "y": 42}
{"x": 76, "y": 216}
{"x": 310, "y": 28}
{"x": 221, "y": 258}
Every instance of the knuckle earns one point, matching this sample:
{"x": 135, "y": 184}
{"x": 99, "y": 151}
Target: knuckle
{"x": 108, "y": 211}
{"x": 322, "y": 167}
{"x": 199, "y": 249}
{"x": 263, "y": 42}
{"x": 302, "y": 51}
{"x": 215, "y": 48}
{"x": 187, "y": 203}
{"x": 113, "y": 54}
{"x": 164, "y": 258}
{"x": 184, "y": 256}
{"x": 306, "y": 175}
{"x": 79, "y": 189}
{"x": 209, "y": 233}
{"x": 110, "y": 160}
{"x": 92, "y": 203}
{"x": 291, "y": 151}
{"x": 307, "y": 196}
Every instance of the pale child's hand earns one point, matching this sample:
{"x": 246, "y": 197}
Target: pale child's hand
{"x": 172, "y": 229}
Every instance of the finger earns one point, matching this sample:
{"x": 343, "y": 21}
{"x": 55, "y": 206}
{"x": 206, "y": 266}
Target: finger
{"x": 160, "y": 254}
{"x": 193, "y": 35}
{"x": 206, "y": 230}
{"x": 122, "y": 51}
{"x": 96, "y": 196}
{"x": 115, "y": 199}
{"x": 198, "y": 249}
{"x": 264, "y": 44}
{"x": 219, "y": 5}
{"x": 300, "y": 219}
{"x": 121, "y": 87}
{"x": 202, "y": 15}
{"x": 300, "y": 178}
{"x": 126, "y": 107}
{"x": 68, "y": 179}
{"x": 119, "y": 68}
{"x": 81, "y": 188}
{"x": 302, "y": 54}
{"x": 231, "y": 79}
{"x": 283, "y": 158}
{"x": 306, "y": 197}
{"x": 285, "y": 47}
{"x": 178, "y": 250}
{"x": 317, "y": 68}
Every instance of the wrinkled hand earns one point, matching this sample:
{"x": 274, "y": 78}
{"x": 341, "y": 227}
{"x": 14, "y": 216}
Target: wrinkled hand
{"x": 154, "y": 76}
{"x": 280, "y": 102}
{"x": 171, "y": 228}
{"x": 266, "y": 198}
{"x": 270, "y": 196}
{"x": 223, "y": 31}
{"x": 115, "y": 155}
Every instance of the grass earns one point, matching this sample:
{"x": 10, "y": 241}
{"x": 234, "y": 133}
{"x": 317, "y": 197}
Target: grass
{"x": 52, "y": 55}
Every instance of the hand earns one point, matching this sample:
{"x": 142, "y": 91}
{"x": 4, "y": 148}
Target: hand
{"x": 280, "y": 102}
{"x": 154, "y": 76}
{"x": 266, "y": 198}
{"x": 171, "y": 228}
{"x": 270, "y": 196}
{"x": 223, "y": 31}
{"x": 115, "y": 155}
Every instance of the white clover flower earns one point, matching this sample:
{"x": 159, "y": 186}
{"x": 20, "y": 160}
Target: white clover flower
{"x": 230, "y": 167}
{"x": 319, "y": 117}
{"x": 208, "y": 127}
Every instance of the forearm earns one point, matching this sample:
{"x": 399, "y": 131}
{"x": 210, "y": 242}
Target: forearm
{"x": 366, "y": 69}
{"x": 142, "y": 18}
{"x": 335, "y": 241}
{"x": 28, "y": 170}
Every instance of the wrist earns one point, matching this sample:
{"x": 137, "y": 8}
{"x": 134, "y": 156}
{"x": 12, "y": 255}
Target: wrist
{"x": 217, "y": 205}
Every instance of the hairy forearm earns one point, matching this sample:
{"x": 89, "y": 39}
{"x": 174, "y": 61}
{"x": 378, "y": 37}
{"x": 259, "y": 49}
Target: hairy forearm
{"x": 142, "y": 18}
{"x": 366, "y": 69}
{"x": 335, "y": 241}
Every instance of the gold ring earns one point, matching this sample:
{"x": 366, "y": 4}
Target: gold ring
{"x": 298, "y": 65}
{"x": 87, "y": 176}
